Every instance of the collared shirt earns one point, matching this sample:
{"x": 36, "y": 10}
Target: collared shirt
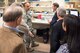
{"x": 12, "y": 28}
{"x": 20, "y": 33}
{"x": 63, "y": 49}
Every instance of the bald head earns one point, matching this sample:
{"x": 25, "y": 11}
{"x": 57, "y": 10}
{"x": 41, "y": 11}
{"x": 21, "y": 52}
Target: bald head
{"x": 12, "y": 13}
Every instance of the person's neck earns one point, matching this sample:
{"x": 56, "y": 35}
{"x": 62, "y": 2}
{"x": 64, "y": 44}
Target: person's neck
{"x": 26, "y": 10}
{"x": 11, "y": 24}
{"x": 54, "y": 10}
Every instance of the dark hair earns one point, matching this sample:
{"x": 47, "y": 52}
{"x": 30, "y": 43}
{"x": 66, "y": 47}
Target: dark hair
{"x": 12, "y": 13}
{"x": 72, "y": 24}
{"x": 56, "y": 4}
{"x": 23, "y": 3}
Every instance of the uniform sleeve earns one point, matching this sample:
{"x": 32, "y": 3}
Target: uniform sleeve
{"x": 24, "y": 24}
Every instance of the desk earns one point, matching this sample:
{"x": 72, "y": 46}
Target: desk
{"x": 40, "y": 24}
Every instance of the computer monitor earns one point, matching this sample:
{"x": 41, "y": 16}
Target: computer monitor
{"x": 72, "y": 12}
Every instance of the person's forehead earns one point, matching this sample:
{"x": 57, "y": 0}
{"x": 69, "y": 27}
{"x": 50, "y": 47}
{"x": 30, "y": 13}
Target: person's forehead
{"x": 27, "y": 4}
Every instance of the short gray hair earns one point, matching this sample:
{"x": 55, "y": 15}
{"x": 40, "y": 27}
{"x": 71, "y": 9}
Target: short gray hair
{"x": 61, "y": 12}
{"x": 12, "y": 13}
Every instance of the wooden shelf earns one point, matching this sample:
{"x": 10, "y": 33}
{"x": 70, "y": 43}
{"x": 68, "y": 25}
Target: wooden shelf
{"x": 76, "y": 5}
{"x": 20, "y": 0}
{"x": 41, "y": 6}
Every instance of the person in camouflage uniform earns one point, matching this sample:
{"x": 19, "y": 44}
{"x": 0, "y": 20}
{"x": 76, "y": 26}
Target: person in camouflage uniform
{"x": 27, "y": 19}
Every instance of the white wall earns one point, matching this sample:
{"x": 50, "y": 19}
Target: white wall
{"x": 60, "y": 2}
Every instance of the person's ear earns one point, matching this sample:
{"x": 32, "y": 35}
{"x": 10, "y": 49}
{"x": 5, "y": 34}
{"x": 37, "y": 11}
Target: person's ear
{"x": 63, "y": 26}
{"x": 19, "y": 20}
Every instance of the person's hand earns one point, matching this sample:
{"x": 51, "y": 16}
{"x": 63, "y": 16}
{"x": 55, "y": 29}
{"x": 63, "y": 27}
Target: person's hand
{"x": 49, "y": 21}
{"x": 30, "y": 33}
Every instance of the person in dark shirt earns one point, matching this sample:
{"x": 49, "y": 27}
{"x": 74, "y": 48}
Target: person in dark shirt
{"x": 45, "y": 32}
{"x": 57, "y": 33}
{"x": 71, "y": 25}
{"x": 54, "y": 19}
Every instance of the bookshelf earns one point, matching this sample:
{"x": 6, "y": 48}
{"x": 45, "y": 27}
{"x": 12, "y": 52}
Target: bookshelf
{"x": 73, "y": 4}
{"x": 41, "y": 6}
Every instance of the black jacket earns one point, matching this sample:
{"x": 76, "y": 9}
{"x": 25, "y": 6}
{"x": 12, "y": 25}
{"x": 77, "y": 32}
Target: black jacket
{"x": 54, "y": 19}
{"x": 57, "y": 34}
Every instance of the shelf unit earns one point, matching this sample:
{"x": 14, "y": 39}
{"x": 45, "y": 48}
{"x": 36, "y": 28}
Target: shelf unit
{"x": 41, "y": 6}
{"x": 10, "y": 2}
{"x": 73, "y": 4}
{"x": 6, "y": 3}
{"x": 2, "y": 3}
